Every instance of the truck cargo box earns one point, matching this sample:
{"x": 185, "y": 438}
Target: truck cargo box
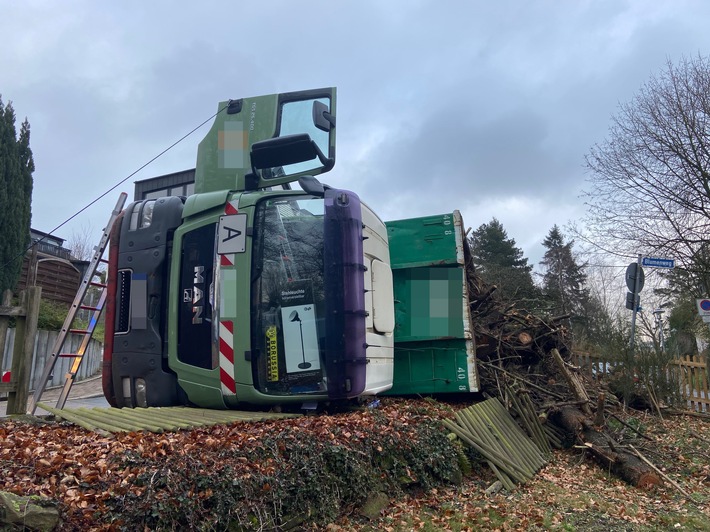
{"x": 434, "y": 345}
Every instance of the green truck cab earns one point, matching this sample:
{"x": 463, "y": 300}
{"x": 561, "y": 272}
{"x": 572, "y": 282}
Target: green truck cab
{"x": 249, "y": 292}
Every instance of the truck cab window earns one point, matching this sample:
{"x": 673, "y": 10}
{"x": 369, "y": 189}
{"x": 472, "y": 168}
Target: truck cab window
{"x": 288, "y": 297}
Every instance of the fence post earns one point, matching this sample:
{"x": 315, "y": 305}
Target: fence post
{"x": 4, "y": 322}
{"x": 26, "y": 333}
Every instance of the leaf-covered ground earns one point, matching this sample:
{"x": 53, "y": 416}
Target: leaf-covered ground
{"x": 317, "y": 472}
{"x": 572, "y": 493}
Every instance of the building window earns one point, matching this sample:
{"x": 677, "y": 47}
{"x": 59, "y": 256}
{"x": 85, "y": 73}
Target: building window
{"x": 155, "y": 194}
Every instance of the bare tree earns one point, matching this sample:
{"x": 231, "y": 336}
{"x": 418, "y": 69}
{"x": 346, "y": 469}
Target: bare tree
{"x": 82, "y": 243}
{"x": 650, "y": 179}
{"x": 82, "y": 246}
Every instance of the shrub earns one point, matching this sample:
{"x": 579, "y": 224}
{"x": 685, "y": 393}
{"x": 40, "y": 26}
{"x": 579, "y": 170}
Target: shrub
{"x": 283, "y": 479}
{"x": 51, "y": 315}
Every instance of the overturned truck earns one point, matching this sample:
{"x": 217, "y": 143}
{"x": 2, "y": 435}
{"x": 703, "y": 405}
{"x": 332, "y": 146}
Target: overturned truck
{"x": 250, "y": 292}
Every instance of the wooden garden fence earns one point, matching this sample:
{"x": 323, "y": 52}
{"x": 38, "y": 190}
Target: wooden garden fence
{"x": 691, "y": 371}
{"x": 24, "y": 350}
{"x": 43, "y": 344}
{"x": 26, "y": 315}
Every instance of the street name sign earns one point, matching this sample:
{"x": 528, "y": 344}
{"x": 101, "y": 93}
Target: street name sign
{"x": 657, "y": 262}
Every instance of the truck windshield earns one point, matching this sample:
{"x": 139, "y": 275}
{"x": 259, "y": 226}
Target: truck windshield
{"x": 288, "y": 296}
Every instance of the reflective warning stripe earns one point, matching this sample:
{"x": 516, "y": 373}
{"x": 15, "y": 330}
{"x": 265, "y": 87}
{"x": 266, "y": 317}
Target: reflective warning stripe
{"x": 226, "y": 327}
{"x": 232, "y": 207}
{"x": 226, "y": 357}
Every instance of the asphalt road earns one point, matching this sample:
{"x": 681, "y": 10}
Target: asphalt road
{"x": 87, "y": 393}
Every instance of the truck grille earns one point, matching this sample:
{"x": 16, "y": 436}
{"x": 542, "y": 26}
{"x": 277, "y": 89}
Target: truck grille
{"x": 123, "y": 301}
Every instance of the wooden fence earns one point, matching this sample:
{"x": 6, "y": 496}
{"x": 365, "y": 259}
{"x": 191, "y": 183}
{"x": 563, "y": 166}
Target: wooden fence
{"x": 691, "y": 372}
{"x": 26, "y": 315}
{"x": 24, "y": 350}
{"x": 44, "y": 341}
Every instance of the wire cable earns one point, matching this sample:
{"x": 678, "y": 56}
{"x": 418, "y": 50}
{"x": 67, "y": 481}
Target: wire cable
{"x": 51, "y": 233}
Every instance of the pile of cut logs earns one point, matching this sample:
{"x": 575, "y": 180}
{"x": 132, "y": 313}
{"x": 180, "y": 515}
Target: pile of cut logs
{"x": 520, "y": 353}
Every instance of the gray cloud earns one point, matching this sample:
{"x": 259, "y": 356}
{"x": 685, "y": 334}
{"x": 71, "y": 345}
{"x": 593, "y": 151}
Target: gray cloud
{"x": 488, "y": 107}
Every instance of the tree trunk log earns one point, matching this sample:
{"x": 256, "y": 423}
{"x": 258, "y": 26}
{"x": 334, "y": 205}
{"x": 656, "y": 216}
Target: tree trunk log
{"x": 623, "y": 464}
{"x": 524, "y": 338}
{"x": 599, "y": 419}
{"x": 575, "y": 385}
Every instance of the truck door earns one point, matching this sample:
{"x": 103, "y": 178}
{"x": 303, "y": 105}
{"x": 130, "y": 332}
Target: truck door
{"x": 236, "y": 153}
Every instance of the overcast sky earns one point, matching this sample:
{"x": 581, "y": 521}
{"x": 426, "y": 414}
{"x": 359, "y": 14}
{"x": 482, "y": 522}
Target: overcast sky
{"x": 483, "y": 106}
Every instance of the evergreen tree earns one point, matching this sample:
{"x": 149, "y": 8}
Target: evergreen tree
{"x": 16, "y": 167}
{"x": 564, "y": 281}
{"x": 500, "y": 262}
{"x": 683, "y": 286}
{"x": 27, "y": 168}
{"x": 564, "y": 286}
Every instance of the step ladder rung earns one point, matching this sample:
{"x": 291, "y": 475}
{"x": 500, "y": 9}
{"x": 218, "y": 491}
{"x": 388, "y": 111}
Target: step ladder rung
{"x": 91, "y": 272}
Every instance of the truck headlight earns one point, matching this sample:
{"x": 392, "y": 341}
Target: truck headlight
{"x": 142, "y": 212}
{"x": 141, "y": 397}
{"x": 147, "y": 213}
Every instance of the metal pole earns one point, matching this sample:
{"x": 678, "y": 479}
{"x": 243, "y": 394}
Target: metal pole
{"x": 633, "y": 316}
{"x": 658, "y": 313}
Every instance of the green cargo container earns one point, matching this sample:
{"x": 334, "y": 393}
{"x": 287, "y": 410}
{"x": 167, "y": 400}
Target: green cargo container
{"x": 440, "y": 366}
{"x": 428, "y": 303}
{"x": 434, "y": 346}
{"x": 428, "y": 241}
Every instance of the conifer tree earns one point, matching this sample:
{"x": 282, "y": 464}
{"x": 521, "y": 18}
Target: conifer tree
{"x": 16, "y": 168}
{"x": 500, "y": 262}
{"x": 564, "y": 281}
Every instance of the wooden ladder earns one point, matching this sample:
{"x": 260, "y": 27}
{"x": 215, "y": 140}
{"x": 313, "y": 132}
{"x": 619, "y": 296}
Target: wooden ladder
{"x": 78, "y": 304}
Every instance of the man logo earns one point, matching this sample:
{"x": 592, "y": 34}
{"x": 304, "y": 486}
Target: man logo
{"x": 198, "y": 295}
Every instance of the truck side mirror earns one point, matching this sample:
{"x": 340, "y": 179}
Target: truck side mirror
{"x": 312, "y": 186}
{"x": 271, "y": 155}
{"x": 322, "y": 118}
{"x": 280, "y": 151}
